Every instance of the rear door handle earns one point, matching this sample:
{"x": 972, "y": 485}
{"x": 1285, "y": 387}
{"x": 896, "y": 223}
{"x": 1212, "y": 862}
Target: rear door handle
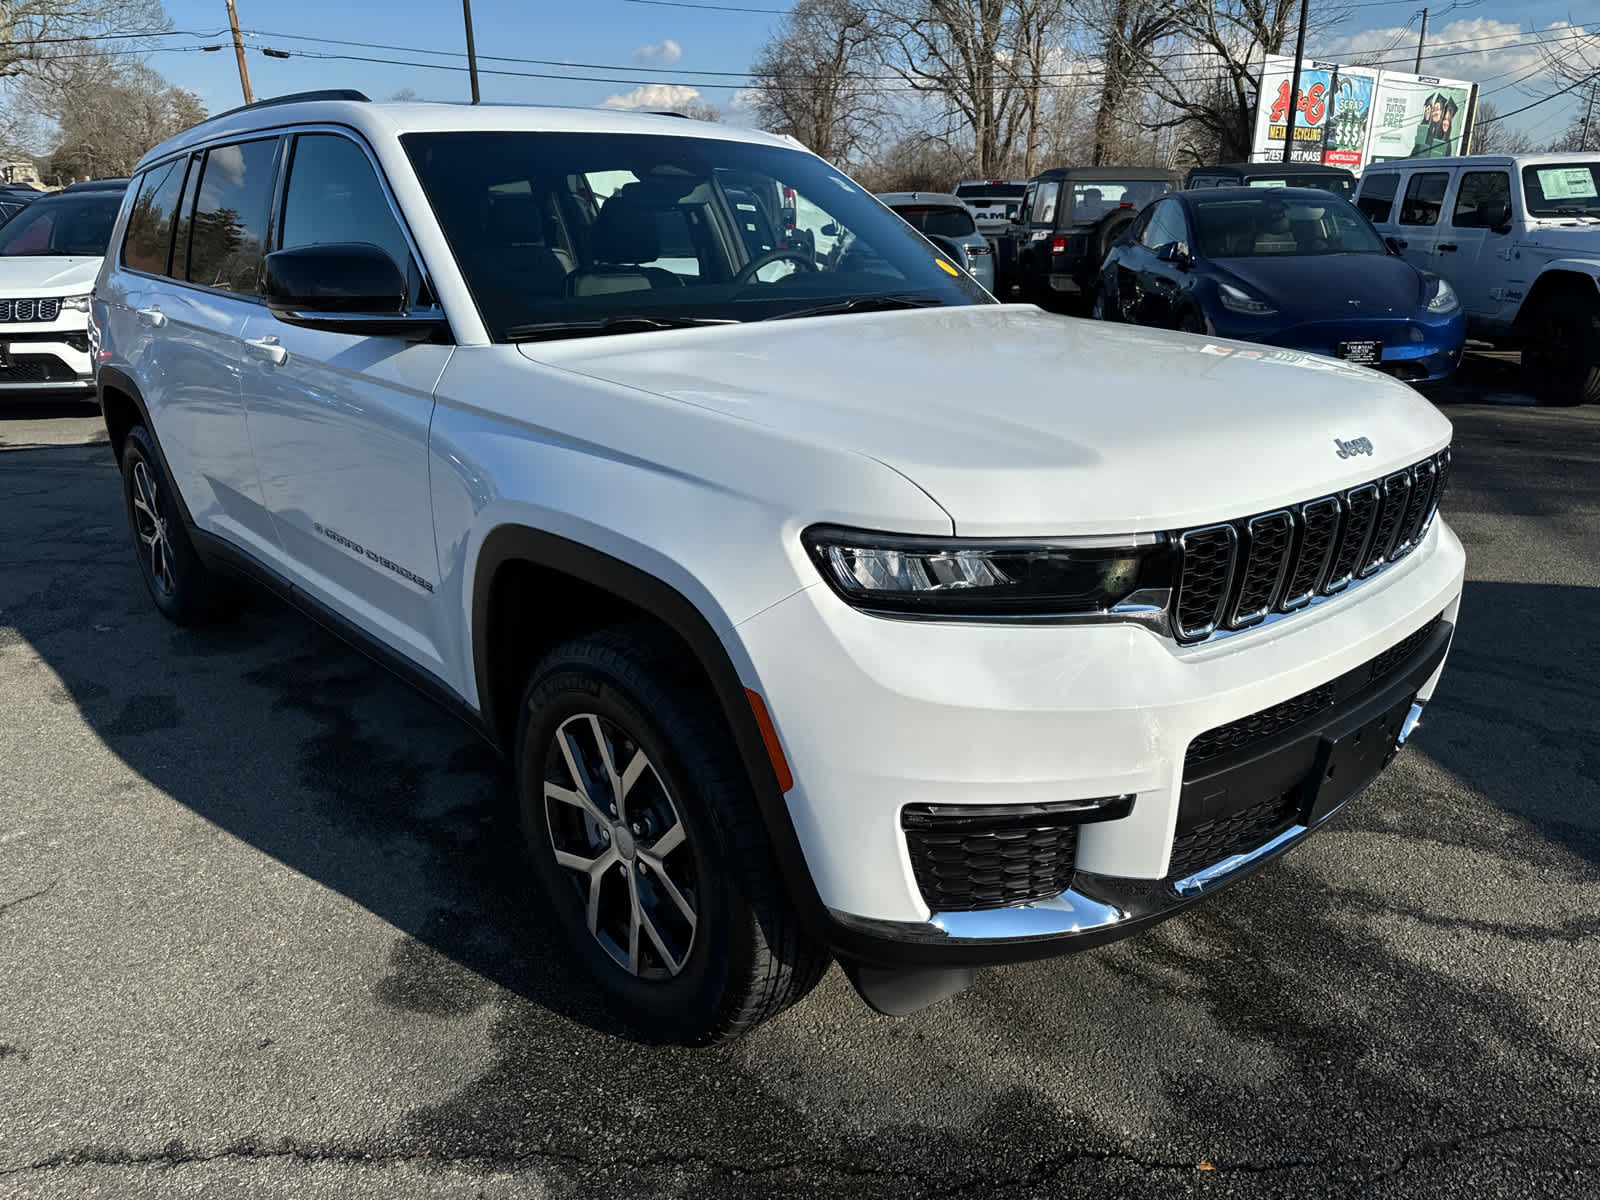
{"x": 152, "y": 317}
{"x": 266, "y": 350}
{"x": 1446, "y": 247}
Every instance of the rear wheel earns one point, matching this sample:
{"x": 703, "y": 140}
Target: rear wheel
{"x": 183, "y": 588}
{"x": 646, "y": 843}
{"x": 1562, "y": 357}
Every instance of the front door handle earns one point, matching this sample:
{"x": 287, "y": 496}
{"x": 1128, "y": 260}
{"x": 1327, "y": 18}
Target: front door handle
{"x": 152, "y": 317}
{"x": 1446, "y": 247}
{"x": 266, "y": 350}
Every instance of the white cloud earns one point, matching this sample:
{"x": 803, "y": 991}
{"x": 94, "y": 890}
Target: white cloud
{"x": 653, "y": 95}
{"x": 659, "y": 53}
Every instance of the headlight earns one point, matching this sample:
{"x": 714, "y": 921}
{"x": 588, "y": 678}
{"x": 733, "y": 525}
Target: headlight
{"x": 1443, "y": 299}
{"x": 990, "y": 578}
{"x": 75, "y": 303}
{"x": 1240, "y": 301}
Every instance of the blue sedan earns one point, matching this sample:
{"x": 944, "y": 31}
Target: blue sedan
{"x": 1293, "y": 267}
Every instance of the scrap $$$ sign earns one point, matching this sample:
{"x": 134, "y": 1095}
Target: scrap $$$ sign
{"x": 1351, "y": 116}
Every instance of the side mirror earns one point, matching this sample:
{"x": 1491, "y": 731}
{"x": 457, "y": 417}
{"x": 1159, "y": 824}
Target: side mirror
{"x": 829, "y": 230}
{"x": 343, "y": 287}
{"x": 1173, "y": 252}
{"x": 1394, "y": 246}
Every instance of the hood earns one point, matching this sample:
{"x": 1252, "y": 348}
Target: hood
{"x": 1382, "y": 283}
{"x": 47, "y": 275}
{"x": 1019, "y": 423}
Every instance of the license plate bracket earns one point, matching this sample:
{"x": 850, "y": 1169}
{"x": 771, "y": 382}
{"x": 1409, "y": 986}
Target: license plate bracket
{"x": 1349, "y": 760}
{"x": 1362, "y": 353}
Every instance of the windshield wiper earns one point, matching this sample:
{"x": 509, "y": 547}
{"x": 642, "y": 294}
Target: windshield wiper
{"x": 862, "y": 304}
{"x": 547, "y": 330}
{"x": 1577, "y": 212}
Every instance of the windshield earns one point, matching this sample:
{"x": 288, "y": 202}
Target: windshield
{"x": 583, "y": 228}
{"x": 1562, "y": 189}
{"x": 1276, "y": 226}
{"x": 1093, "y": 200}
{"x": 945, "y": 221}
{"x": 79, "y": 224}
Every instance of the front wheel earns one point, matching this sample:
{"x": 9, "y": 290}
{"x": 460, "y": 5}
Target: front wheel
{"x": 1190, "y": 320}
{"x": 1562, "y": 358}
{"x": 647, "y": 846}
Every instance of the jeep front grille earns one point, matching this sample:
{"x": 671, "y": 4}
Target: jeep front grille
{"x": 19, "y": 311}
{"x": 1235, "y": 574}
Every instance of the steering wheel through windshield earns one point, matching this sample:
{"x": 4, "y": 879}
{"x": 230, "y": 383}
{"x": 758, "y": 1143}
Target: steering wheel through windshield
{"x": 783, "y": 253}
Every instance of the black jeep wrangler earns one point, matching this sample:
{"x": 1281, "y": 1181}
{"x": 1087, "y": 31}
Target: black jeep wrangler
{"x": 1069, "y": 218}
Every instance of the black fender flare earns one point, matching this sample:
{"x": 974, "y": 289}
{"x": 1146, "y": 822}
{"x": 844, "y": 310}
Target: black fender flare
{"x": 520, "y": 543}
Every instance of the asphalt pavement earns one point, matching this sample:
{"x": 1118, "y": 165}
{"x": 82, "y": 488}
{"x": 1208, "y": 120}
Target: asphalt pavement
{"x": 264, "y": 932}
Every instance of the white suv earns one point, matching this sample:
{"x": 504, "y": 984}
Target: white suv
{"x": 1518, "y": 237}
{"x": 824, "y": 605}
{"x": 49, "y": 256}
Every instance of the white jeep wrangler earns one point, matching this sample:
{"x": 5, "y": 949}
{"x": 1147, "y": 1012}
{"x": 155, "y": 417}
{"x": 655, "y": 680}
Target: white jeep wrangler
{"x": 824, "y": 605}
{"x": 1518, "y": 237}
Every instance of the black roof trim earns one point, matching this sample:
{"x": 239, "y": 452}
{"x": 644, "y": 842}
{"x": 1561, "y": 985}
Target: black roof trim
{"x": 297, "y": 97}
{"x": 1133, "y": 174}
{"x": 1242, "y": 170}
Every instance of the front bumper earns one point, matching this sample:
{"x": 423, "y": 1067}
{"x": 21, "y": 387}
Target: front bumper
{"x": 46, "y": 358}
{"x": 1415, "y": 350}
{"x": 877, "y": 714}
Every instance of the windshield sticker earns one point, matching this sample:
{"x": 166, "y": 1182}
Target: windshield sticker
{"x": 947, "y": 268}
{"x": 1566, "y": 183}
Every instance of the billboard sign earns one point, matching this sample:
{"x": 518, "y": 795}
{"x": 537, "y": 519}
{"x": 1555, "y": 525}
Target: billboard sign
{"x": 1350, "y": 116}
{"x": 1420, "y": 116}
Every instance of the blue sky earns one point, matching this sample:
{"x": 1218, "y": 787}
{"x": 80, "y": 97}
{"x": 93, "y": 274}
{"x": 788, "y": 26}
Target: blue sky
{"x": 1477, "y": 40}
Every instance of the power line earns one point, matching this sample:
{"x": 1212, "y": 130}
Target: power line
{"x": 1546, "y": 99}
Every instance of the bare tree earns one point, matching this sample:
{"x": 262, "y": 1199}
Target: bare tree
{"x": 813, "y": 80}
{"x": 984, "y": 60}
{"x": 1491, "y": 135}
{"x": 1213, "y": 74}
{"x": 1126, "y": 32}
{"x": 39, "y": 36}
{"x": 107, "y": 113}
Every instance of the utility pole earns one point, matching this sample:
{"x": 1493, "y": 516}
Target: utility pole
{"x": 1421, "y": 37}
{"x": 238, "y": 52}
{"x": 1294, "y": 86}
{"x": 1583, "y": 137}
{"x": 472, "y": 52}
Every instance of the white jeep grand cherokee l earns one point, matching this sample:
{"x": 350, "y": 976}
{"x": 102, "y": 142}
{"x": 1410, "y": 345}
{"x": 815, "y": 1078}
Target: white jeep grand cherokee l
{"x": 824, "y": 605}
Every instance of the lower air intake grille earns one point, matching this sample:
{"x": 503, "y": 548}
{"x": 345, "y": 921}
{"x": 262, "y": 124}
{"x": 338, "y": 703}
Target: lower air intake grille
{"x": 1210, "y": 842}
{"x": 1259, "y": 726}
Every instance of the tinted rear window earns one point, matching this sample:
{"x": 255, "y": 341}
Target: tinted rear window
{"x": 1377, "y": 196}
{"x": 149, "y": 235}
{"x": 944, "y": 221}
{"x": 999, "y": 191}
{"x": 229, "y": 237}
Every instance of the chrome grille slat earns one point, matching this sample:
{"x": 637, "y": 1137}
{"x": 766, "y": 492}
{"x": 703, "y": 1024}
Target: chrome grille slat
{"x": 1234, "y": 574}
{"x": 18, "y": 311}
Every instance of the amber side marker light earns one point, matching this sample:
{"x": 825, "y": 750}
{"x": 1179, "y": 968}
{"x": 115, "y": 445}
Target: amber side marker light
{"x": 769, "y": 735}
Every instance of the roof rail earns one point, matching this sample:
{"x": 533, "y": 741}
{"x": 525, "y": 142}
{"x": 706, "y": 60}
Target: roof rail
{"x": 296, "y": 97}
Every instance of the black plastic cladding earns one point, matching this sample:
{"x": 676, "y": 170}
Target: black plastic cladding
{"x": 1234, "y": 574}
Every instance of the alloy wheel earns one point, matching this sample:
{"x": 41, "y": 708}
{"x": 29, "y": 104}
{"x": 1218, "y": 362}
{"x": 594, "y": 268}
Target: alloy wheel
{"x": 152, "y": 528}
{"x": 616, "y": 832}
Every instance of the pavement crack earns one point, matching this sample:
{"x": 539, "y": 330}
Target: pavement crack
{"x": 9, "y": 904}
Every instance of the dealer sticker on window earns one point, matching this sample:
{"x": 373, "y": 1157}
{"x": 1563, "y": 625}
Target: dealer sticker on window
{"x": 1566, "y": 183}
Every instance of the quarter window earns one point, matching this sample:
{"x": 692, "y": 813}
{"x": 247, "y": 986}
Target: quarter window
{"x": 229, "y": 237}
{"x": 1483, "y": 201}
{"x": 1044, "y": 204}
{"x": 1424, "y": 198}
{"x": 1377, "y": 196}
{"x": 334, "y": 195}
{"x": 149, "y": 237}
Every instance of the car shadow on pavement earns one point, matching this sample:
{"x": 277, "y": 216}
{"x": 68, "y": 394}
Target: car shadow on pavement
{"x": 1300, "y": 1034}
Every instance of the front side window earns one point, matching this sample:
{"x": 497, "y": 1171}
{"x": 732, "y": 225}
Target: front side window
{"x": 1165, "y": 227}
{"x": 229, "y": 235}
{"x": 1562, "y": 190}
{"x": 333, "y": 195}
{"x": 1272, "y": 225}
{"x": 57, "y": 226}
{"x": 1091, "y": 201}
{"x": 554, "y": 230}
{"x": 1483, "y": 200}
{"x": 1376, "y": 201}
{"x": 148, "y": 239}
{"x": 1424, "y": 198}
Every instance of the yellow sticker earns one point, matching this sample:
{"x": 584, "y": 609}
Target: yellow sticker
{"x": 948, "y": 269}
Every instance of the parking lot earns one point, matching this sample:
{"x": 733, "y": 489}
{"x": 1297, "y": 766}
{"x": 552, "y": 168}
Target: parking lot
{"x": 264, "y": 932}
